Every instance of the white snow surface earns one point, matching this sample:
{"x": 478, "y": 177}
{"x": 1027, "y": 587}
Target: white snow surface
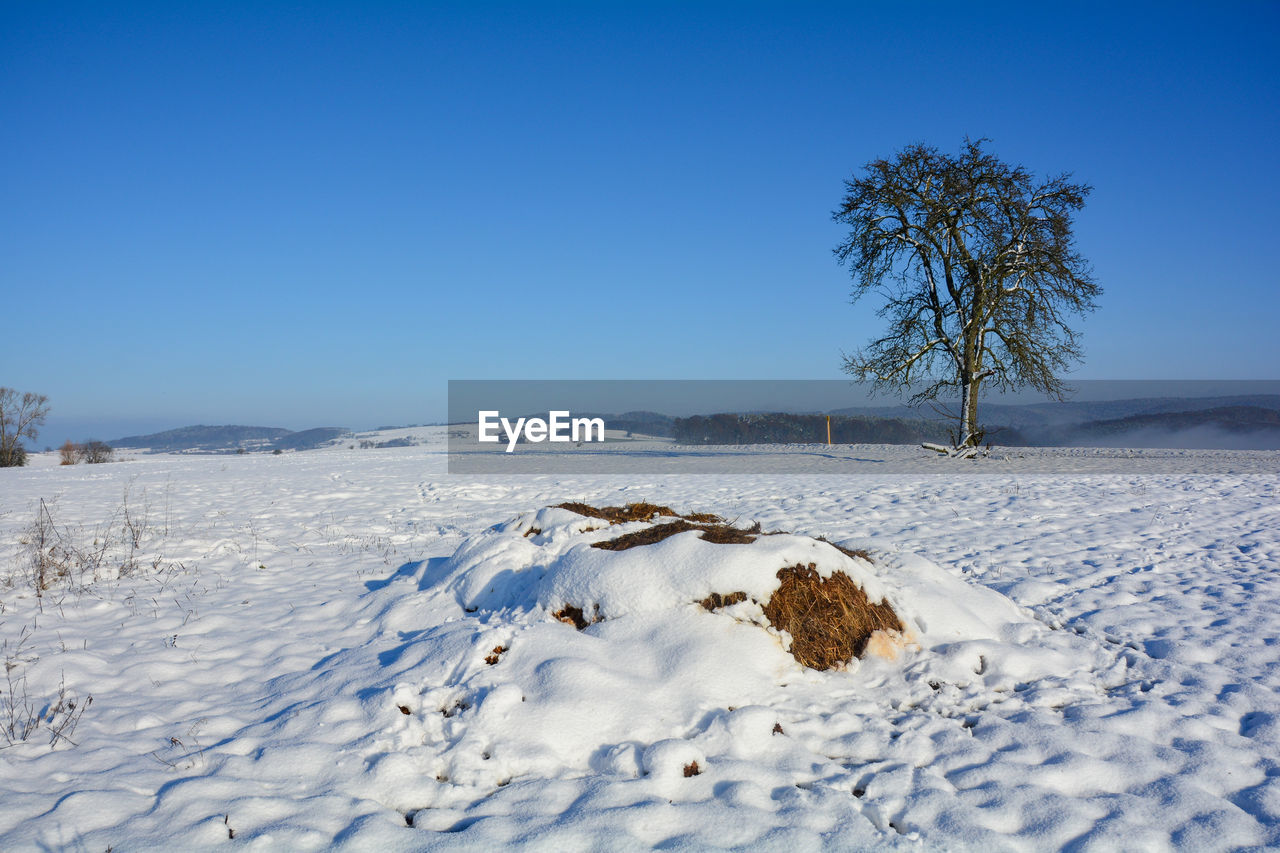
{"x": 352, "y": 649}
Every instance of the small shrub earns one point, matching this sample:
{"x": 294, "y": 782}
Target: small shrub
{"x": 20, "y": 717}
{"x": 57, "y": 555}
{"x": 51, "y": 557}
{"x": 95, "y": 452}
{"x": 68, "y": 453}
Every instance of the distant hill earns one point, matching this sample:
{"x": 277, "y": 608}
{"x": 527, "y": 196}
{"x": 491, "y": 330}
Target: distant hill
{"x": 1243, "y": 427}
{"x": 1071, "y": 412}
{"x": 206, "y": 438}
{"x": 1077, "y": 412}
{"x": 1223, "y": 427}
{"x": 308, "y": 439}
{"x": 1232, "y": 418}
{"x": 229, "y": 439}
{"x": 1249, "y": 422}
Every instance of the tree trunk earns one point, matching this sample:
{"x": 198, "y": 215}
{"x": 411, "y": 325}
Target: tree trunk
{"x": 971, "y": 417}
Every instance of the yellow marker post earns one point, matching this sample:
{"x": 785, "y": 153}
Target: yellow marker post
{"x": 828, "y": 430}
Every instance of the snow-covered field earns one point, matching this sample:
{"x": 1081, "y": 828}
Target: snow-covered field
{"x": 292, "y": 660}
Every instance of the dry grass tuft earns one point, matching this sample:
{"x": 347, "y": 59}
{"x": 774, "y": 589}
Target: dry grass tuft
{"x": 713, "y": 528}
{"x": 620, "y": 514}
{"x": 648, "y": 536}
{"x": 572, "y": 616}
{"x": 830, "y": 619}
{"x": 715, "y": 600}
{"x": 636, "y": 512}
{"x": 720, "y": 534}
{"x": 691, "y": 769}
{"x": 856, "y": 553}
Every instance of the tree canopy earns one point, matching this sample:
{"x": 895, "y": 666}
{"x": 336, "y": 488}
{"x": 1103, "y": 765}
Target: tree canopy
{"x": 977, "y": 263}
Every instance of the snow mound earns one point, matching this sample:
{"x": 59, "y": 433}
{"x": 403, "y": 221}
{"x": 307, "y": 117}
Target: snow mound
{"x": 584, "y": 569}
{"x": 639, "y": 663}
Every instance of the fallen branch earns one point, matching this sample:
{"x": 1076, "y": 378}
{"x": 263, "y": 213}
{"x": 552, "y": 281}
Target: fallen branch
{"x": 954, "y": 452}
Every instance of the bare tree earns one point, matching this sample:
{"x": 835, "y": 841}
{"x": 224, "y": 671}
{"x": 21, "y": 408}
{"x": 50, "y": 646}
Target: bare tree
{"x": 95, "y": 452}
{"x": 977, "y": 263}
{"x": 19, "y": 417}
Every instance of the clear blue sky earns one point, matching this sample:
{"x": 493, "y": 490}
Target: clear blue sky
{"x": 306, "y": 214}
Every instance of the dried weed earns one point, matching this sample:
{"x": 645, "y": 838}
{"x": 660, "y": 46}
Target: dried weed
{"x": 715, "y": 600}
{"x": 571, "y": 615}
{"x": 636, "y": 512}
{"x": 830, "y": 619}
{"x": 856, "y": 553}
{"x": 720, "y": 534}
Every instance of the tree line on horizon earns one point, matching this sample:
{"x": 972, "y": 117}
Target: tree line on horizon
{"x": 786, "y": 428}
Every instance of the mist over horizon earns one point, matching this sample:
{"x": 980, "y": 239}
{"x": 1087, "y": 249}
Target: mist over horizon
{"x": 1193, "y": 438}
{"x": 1010, "y": 410}
{"x": 58, "y": 428}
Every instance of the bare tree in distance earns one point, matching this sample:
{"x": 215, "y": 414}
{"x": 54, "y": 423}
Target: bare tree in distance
{"x": 95, "y": 452}
{"x": 977, "y": 263}
{"x": 20, "y": 414}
